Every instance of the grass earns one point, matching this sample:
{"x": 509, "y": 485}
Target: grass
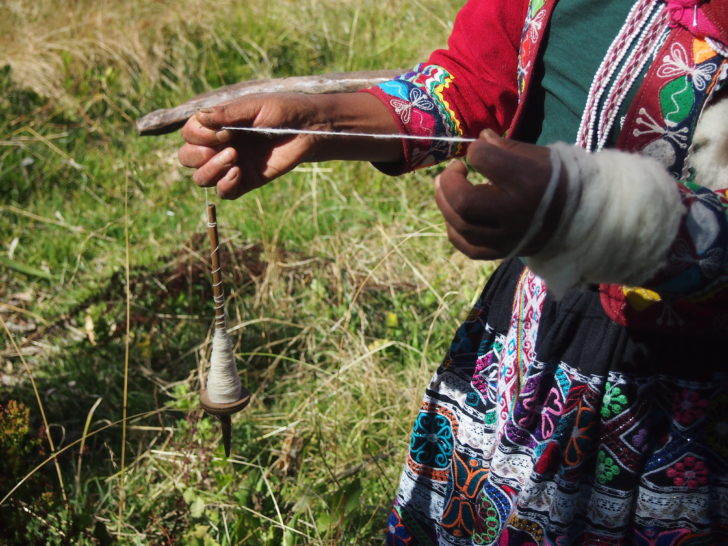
{"x": 342, "y": 289}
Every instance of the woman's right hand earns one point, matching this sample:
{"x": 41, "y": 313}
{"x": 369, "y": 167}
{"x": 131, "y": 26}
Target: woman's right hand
{"x": 236, "y": 162}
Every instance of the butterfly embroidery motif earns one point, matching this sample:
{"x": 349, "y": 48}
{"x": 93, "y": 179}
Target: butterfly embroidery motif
{"x": 676, "y": 64}
{"x": 417, "y": 99}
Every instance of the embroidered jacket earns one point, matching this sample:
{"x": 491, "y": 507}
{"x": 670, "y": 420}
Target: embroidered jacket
{"x": 482, "y": 80}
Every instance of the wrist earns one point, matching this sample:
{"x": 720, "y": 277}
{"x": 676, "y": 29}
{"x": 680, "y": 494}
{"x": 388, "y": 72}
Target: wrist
{"x": 352, "y": 113}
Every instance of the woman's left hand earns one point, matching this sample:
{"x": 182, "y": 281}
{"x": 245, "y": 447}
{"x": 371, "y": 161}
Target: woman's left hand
{"x": 487, "y": 221}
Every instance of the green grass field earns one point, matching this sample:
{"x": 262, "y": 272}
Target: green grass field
{"x": 343, "y": 291}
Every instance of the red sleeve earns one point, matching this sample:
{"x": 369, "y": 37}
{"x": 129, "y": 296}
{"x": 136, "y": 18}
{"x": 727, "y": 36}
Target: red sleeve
{"x": 461, "y": 90}
{"x": 482, "y": 56}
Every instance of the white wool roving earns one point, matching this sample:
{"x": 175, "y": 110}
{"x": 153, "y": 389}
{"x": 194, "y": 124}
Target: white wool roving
{"x": 709, "y": 157}
{"x": 621, "y": 215}
{"x": 223, "y": 382}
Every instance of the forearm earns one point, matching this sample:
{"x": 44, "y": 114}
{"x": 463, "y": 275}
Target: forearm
{"x": 236, "y": 162}
{"x": 356, "y": 113}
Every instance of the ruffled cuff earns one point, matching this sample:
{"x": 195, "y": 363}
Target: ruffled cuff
{"x": 417, "y": 103}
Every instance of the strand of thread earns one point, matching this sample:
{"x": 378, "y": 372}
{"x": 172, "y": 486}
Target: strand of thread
{"x": 382, "y": 136}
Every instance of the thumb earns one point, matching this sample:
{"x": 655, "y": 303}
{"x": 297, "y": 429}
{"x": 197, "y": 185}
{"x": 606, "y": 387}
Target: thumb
{"x": 452, "y": 183}
{"x": 239, "y": 112}
{"x": 496, "y": 158}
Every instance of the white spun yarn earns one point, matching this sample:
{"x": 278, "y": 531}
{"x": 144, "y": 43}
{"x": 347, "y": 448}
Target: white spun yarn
{"x": 710, "y": 146}
{"x": 223, "y": 382}
{"x": 621, "y": 215}
{"x": 380, "y": 136}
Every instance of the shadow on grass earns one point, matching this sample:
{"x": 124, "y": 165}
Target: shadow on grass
{"x": 170, "y": 318}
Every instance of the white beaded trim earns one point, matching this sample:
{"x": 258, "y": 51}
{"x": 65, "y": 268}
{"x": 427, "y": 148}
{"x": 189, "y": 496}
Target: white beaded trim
{"x": 650, "y": 16}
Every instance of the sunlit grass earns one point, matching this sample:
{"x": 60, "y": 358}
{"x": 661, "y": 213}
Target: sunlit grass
{"x": 343, "y": 291}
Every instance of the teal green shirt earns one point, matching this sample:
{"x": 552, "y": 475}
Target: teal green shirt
{"x": 578, "y": 37}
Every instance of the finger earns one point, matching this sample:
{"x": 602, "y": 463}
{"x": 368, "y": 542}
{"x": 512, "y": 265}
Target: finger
{"x": 216, "y": 168}
{"x": 474, "y": 252}
{"x": 509, "y": 164}
{"x": 190, "y": 155}
{"x": 237, "y": 112}
{"x": 195, "y": 133}
{"x": 240, "y": 180}
{"x": 229, "y": 186}
{"x": 464, "y": 204}
{"x": 453, "y": 190}
{"x": 284, "y": 157}
{"x": 475, "y": 235}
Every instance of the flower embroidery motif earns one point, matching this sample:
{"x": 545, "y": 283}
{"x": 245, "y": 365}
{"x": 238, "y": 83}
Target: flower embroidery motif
{"x": 582, "y": 436}
{"x": 614, "y": 401}
{"x": 676, "y": 64}
{"x": 607, "y": 469}
{"x": 551, "y": 412}
{"x": 690, "y": 472}
{"x": 639, "y": 440}
{"x": 688, "y": 406}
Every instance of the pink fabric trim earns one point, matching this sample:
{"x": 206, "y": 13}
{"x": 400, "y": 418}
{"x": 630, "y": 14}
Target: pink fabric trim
{"x": 689, "y": 14}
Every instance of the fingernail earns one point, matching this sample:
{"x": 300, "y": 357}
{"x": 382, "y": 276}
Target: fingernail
{"x": 227, "y": 156}
{"x": 206, "y": 110}
{"x": 223, "y": 136}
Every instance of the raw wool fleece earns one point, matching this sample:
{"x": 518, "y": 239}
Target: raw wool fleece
{"x": 709, "y": 157}
{"x": 621, "y": 215}
{"x": 223, "y": 382}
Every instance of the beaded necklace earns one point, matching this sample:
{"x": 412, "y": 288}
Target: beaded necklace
{"x": 626, "y": 57}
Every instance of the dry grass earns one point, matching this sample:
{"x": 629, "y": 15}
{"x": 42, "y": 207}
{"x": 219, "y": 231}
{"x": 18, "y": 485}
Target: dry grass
{"x": 51, "y": 45}
{"x": 46, "y": 42}
{"x": 342, "y": 289}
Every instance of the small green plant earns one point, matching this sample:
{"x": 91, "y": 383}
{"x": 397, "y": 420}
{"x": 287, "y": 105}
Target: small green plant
{"x": 18, "y": 445}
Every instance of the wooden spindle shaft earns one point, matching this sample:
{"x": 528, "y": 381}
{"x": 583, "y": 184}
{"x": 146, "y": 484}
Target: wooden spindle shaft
{"x": 222, "y": 411}
{"x": 217, "y": 291}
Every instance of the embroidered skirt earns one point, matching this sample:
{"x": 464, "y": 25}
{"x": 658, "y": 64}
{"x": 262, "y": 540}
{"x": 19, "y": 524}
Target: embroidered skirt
{"x": 549, "y": 423}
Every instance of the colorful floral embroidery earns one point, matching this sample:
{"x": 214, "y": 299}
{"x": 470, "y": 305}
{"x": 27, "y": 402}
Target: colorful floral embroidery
{"x": 431, "y": 444}
{"x": 533, "y": 32}
{"x": 418, "y": 99}
{"x": 689, "y": 472}
{"x": 687, "y": 73}
{"x": 607, "y": 468}
{"x": 458, "y": 517}
{"x": 688, "y": 406}
{"x": 614, "y": 401}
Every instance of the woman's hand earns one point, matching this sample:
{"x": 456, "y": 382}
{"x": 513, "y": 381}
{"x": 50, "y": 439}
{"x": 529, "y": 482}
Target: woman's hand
{"x": 488, "y": 221}
{"x": 236, "y": 162}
